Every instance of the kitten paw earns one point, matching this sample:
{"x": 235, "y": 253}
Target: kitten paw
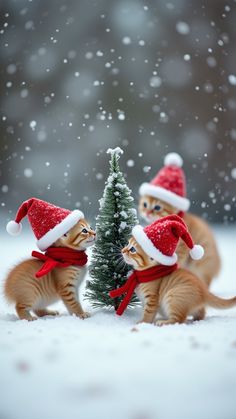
{"x": 31, "y": 318}
{"x": 161, "y": 323}
{"x": 83, "y": 315}
{"x": 53, "y": 313}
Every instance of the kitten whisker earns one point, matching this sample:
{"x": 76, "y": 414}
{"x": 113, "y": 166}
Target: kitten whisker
{"x": 117, "y": 254}
{"x": 117, "y": 247}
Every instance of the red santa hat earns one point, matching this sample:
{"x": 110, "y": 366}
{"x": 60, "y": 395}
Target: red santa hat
{"x": 47, "y": 221}
{"x": 160, "y": 239}
{"x": 169, "y": 184}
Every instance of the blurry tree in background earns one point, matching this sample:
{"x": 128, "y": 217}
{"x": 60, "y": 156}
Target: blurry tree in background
{"x": 79, "y": 76}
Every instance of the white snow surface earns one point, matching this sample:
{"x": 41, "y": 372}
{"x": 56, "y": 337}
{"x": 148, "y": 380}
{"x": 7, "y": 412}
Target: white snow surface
{"x": 99, "y": 368}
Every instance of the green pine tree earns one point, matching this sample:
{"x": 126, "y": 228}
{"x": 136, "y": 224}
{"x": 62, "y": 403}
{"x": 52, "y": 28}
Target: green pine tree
{"x": 114, "y": 224}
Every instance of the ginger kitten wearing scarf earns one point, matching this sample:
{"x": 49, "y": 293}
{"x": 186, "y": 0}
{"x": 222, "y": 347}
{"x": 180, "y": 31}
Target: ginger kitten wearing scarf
{"x": 36, "y": 283}
{"x": 164, "y": 288}
{"x": 166, "y": 195}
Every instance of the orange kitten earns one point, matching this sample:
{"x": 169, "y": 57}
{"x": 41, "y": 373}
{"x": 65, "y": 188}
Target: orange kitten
{"x": 175, "y": 296}
{"x": 166, "y": 195}
{"x": 208, "y": 267}
{"x": 29, "y": 293}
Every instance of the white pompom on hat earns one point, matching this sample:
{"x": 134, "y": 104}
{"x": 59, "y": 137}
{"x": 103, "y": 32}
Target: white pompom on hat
{"x": 173, "y": 159}
{"x": 13, "y": 228}
{"x": 197, "y": 252}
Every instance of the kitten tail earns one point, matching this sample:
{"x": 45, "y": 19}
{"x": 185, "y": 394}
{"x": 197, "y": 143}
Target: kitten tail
{"x": 217, "y": 302}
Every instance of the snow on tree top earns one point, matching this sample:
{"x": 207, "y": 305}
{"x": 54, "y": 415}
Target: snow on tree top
{"x": 116, "y": 150}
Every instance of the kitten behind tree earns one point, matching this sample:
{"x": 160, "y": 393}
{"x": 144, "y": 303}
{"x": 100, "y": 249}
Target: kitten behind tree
{"x": 166, "y": 195}
{"x": 36, "y": 283}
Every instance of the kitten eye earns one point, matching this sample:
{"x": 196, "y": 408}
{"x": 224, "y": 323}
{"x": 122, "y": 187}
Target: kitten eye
{"x": 132, "y": 249}
{"x": 65, "y": 235}
{"x": 145, "y": 204}
{"x": 157, "y": 207}
{"x": 84, "y": 230}
{"x": 151, "y": 259}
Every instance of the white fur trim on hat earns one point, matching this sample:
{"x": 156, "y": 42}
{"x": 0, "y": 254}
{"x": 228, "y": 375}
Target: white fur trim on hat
{"x": 197, "y": 252}
{"x": 173, "y": 159}
{"x": 13, "y": 228}
{"x": 148, "y": 247}
{"x": 171, "y": 198}
{"x": 62, "y": 228}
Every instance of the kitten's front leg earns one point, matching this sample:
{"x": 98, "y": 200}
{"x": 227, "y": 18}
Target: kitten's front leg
{"x": 151, "y": 305}
{"x": 23, "y": 312}
{"x": 67, "y": 288}
{"x": 73, "y": 306}
{"x": 70, "y": 299}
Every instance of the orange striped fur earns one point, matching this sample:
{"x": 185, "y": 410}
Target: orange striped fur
{"x": 209, "y": 266}
{"x": 175, "y": 296}
{"x": 31, "y": 294}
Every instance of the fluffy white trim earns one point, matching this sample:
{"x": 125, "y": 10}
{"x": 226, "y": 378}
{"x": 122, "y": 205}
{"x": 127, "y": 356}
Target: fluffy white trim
{"x": 173, "y": 159}
{"x": 171, "y": 198}
{"x": 13, "y": 228}
{"x": 197, "y": 252}
{"x": 149, "y": 248}
{"x": 55, "y": 233}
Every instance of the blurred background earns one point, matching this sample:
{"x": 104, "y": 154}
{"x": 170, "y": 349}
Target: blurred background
{"x": 79, "y": 76}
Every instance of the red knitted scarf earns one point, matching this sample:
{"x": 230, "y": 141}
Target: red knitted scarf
{"x": 136, "y": 278}
{"x": 59, "y": 257}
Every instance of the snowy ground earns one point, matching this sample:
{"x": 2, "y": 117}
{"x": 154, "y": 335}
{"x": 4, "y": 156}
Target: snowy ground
{"x": 99, "y": 369}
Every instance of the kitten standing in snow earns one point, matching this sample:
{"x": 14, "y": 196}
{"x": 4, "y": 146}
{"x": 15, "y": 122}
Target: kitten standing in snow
{"x": 164, "y": 288}
{"x": 36, "y": 283}
{"x": 165, "y": 195}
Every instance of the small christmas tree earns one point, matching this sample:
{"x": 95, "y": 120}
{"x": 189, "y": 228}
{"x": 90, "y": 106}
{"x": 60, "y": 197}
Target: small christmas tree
{"x": 114, "y": 224}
